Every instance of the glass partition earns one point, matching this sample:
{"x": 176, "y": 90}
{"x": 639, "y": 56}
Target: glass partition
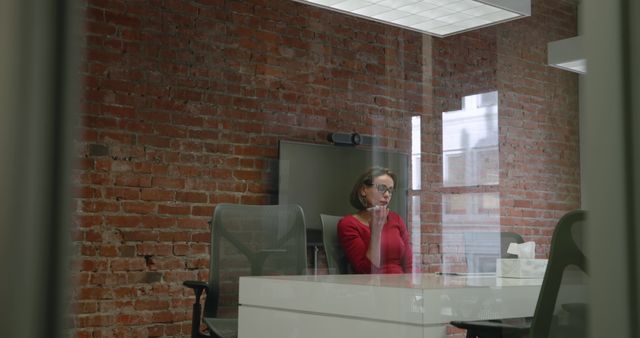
{"x": 196, "y": 104}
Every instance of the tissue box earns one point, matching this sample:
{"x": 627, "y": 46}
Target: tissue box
{"x": 521, "y": 267}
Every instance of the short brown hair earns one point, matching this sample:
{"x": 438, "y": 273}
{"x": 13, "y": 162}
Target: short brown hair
{"x": 366, "y": 179}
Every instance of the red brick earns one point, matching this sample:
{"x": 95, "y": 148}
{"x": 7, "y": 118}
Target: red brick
{"x": 131, "y": 180}
{"x": 139, "y": 207}
{"x": 168, "y": 182}
{"x": 155, "y": 222}
{"x": 192, "y": 197}
{"x": 142, "y": 235}
{"x": 123, "y": 221}
{"x": 152, "y": 194}
{"x": 174, "y": 209}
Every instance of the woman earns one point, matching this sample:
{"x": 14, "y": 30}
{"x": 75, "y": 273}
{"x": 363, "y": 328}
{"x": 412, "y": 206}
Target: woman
{"x": 375, "y": 239}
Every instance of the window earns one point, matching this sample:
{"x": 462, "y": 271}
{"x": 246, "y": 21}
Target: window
{"x": 470, "y": 175}
{"x": 470, "y": 142}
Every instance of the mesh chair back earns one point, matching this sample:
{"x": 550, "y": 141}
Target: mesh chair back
{"x": 483, "y": 248}
{"x": 562, "y": 307}
{"x": 336, "y": 259}
{"x": 251, "y": 240}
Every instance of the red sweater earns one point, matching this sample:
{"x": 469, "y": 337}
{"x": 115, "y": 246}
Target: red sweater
{"x": 395, "y": 245}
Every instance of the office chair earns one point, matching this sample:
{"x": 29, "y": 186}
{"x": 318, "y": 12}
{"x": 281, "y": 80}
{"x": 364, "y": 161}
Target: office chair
{"x": 482, "y": 250}
{"x": 336, "y": 259}
{"x": 560, "y": 310}
{"x": 246, "y": 240}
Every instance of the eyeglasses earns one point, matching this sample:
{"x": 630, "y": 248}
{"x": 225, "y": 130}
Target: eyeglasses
{"x": 383, "y": 188}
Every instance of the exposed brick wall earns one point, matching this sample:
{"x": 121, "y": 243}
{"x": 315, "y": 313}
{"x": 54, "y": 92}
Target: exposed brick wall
{"x": 185, "y": 101}
{"x": 539, "y": 105}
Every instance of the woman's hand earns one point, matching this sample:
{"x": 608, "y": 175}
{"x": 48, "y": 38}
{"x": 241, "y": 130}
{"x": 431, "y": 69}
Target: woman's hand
{"x": 378, "y": 218}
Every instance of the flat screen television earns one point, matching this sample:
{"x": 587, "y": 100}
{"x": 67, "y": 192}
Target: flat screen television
{"x": 320, "y": 177}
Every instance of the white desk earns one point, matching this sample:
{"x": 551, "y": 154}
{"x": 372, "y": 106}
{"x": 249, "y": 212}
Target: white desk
{"x": 371, "y": 306}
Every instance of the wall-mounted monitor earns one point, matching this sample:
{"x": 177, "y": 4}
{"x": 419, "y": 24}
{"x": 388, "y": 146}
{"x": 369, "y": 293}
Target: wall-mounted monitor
{"x": 320, "y": 177}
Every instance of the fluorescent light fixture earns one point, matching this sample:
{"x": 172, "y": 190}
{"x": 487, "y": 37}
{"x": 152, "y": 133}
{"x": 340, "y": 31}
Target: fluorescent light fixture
{"x": 434, "y": 17}
{"x": 567, "y": 54}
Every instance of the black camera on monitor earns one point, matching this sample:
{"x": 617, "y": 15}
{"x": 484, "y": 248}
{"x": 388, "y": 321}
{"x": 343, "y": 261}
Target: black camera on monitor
{"x": 351, "y": 139}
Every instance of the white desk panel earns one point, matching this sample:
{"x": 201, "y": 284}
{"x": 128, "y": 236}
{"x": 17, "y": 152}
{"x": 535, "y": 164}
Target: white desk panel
{"x": 412, "y": 304}
{"x": 364, "y": 298}
{"x": 274, "y": 323}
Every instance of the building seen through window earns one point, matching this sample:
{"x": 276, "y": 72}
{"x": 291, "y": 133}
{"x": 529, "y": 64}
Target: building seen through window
{"x": 470, "y": 178}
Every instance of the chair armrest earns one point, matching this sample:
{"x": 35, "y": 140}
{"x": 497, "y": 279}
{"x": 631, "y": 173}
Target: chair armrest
{"x": 487, "y": 324}
{"x": 196, "y": 285}
{"x": 514, "y": 327}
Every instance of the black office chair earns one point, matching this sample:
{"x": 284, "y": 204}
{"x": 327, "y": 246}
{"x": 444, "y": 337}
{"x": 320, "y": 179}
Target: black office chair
{"x": 246, "y": 240}
{"x": 483, "y": 248}
{"x": 561, "y": 309}
{"x": 336, "y": 259}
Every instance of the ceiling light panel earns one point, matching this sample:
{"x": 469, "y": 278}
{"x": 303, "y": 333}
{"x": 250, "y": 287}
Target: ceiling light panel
{"x": 373, "y": 10}
{"x": 435, "y": 17}
{"x": 459, "y": 6}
